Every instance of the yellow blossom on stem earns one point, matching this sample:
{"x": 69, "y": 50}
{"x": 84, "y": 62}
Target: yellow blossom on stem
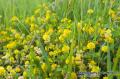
{"x": 50, "y": 31}
{"x": 44, "y": 67}
{"x": 2, "y": 71}
{"x": 53, "y": 66}
{"x": 69, "y": 60}
{"x": 90, "y": 30}
{"x": 9, "y": 68}
{"x": 11, "y": 45}
{"x": 14, "y": 18}
{"x": 37, "y": 11}
{"x": 78, "y": 59}
{"x": 105, "y": 77}
{"x": 91, "y": 63}
{"x": 104, "y": 48}
{"x": 61, "y": 38}
{"x": 65, "y": 48}
{"x": 109, "y": 39}
{"x": 12, "y": 72}
{"x": 27, "y": 20}
{"x": 35, "y": 70}
{"x": 32, "y": 19}
{"x": 25, "y": 74}
{"x": 95, "y": 69}
{"x": 66, "y": 32}
{"x": 112, "y": 13}
{"x": 17, "y": 35}
{"x": 12, "y": 60}
{"x": 90, "y": 45}
{"x": 90, "y": 11}
{"x": 46, "y": 37}
{"x": 108, "y": 33}
{"x": 17, "y": 69}
{"x": 73, "y": 75}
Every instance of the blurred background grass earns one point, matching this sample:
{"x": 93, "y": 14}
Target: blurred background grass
{"x": 74, "y": 9}
{"x": 20, "y": 8}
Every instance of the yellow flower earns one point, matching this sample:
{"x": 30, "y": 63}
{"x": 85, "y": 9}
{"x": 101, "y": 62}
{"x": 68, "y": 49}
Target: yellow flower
{"x": 12, "y": 60}
{"x": 37, "y": 11}
{"x": 11, "y": 45}
{"x": 91, "y": 63}
{"x": 50, "y": 31}
{"x": 65, "y": 48}
{"x": 17, "y": 35}
{"x": 32, "y": 19}
{"x": 90, "y": 30}
{"x": 64, "y": 35}
{"x": 90, "y": 11}
{"x": 111, "y": 12}
{"x": 50, "y": 60}
{"x": 32, "y": 27}
{"x": 79, "y": 26}
{"x": 47, "y": 15}
{"x": 109, "y": 39}
{"x": 17, "y": 69}
{"x": 14, "y": 18}
{"x": 78, "y": 59}
{"x": 66, "y": 32}
{"x": 26, "y": 62}
{"x": 35, "y": 70}
{"x": 2, "y": 71}
{"x": 16, "y": 51}
{"x": 44, "y": 67}
{"x": 104, "y": 48}
{"x": 61, "y": 38}
{"x": 60, "y": 30}
{"x": 108, "y": 33}
{"x": 46, "y": 37}
{"x": 91, "y": 45}
{"x": 53, "y": 66}
{"x": 27, "y": 20}
{"x": 12, "y": 72}
{"x": 105, "y": 77}
{"x": 9, "y": 68}
{"x": 101, "y": 32}
{"x": 69, "y": 60}
{"x": 25, "y": 74}
{"x": 3, "y": 33}
{"x": 51, "y": 53}
{"x": 73, "y": 75}
{"x": 95, "y": 69}
{"x": 64, "y": 20}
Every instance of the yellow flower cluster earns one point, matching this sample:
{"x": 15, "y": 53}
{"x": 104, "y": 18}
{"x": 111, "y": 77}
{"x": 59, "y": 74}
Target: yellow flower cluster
{"x": 90, "y": 45}
{"x": 11, "y": 45}
{"x": 2, "y": 71}
{"x": 104, "y": 48}
{"x": 90, "y": 11}
{"x": 65, "y": 48}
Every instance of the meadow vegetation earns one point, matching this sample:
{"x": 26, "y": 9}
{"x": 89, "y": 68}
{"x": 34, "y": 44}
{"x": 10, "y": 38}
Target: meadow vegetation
{"x": 59, "y": 39}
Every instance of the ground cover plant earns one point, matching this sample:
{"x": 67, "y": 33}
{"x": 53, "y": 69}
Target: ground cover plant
{"x": 59, "y": 39}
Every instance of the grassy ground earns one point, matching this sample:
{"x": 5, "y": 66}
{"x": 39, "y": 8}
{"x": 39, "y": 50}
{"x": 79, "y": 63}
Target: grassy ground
{"x": 49, "y": 39}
